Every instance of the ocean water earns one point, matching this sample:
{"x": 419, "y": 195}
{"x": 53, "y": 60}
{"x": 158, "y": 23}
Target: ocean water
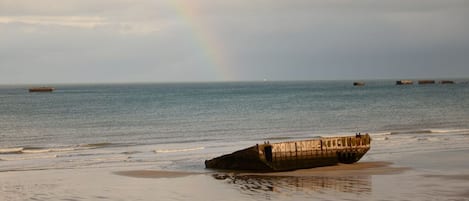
{"x": 176, "y": 126}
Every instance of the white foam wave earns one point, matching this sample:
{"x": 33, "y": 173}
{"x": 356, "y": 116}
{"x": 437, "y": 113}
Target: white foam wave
{"x": 26, "y": 150}
{"x": 380, "y": 133}
{"x": 381, "y": 138}
{"x": 79, "y": 155}
{"x": 178, "y": 150}
{"x": 27, "y": 158}
{"x": 431, "y": 131}
{"x": 11, "y": 150}
{"x": 450, "y": 130}
{"x": 35, "y": 151}
{"x": 436, "y": 139}
{"x": 97, "y": 145}
{"x": 411, "y": 132}
{"x": 38, "y": 151}
{"x": 131, "y": 152}
{"x": 109, "y": 159}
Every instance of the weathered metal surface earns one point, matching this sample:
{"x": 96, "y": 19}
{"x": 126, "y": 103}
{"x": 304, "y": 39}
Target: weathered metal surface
{"x": 295, "y": 155}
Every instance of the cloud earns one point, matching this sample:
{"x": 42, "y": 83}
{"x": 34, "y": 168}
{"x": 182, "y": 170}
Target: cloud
{"x": 71, "y": 21}
{"x": 81, "y": 22}
{"x": 134, "y": 40}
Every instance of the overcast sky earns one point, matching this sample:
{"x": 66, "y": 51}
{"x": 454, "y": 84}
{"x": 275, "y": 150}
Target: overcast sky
{"x": 82, "y": 41}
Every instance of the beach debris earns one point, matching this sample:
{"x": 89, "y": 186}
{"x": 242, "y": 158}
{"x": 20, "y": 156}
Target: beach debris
{"x": 293, "y": 155}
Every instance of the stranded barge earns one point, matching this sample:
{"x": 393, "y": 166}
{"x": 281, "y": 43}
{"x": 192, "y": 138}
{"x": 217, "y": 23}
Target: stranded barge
{"x": 293, "y": 155}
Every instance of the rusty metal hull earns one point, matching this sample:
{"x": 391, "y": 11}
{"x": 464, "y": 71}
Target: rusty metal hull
{"x": 295, "y": 155}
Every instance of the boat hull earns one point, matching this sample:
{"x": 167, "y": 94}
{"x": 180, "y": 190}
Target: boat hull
{"x": 295, "y": 155}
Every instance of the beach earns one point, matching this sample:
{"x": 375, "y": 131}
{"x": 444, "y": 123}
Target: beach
{"x": 234, "y": 100}
{"x": 360, "y": 181}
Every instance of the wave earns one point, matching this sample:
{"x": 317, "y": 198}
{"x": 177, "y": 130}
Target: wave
{"x": 75, "y": 155}
{"x": 380, "y": 138}
{"x": 108, "y": 159}
{"x": 380, "y": 133}
{"x": 430, "y": 139}
{"x": 450, "y": 131}
{"x": 28, "y": 157}
{"x": 279, "y": 138}
{"x": 131, "y": 152}
{"x": 98, "y": 145}
{"x": 18, "y": 150}
{"x": 178, "y": 150}
{"x": 33, "y": 150}
{"x": 430, "y": 131}
{"x": 38, "y": 151}
{"x": 290, "y": 137}
{"x": 411, "y": 132}
{"x": 41, "y": 150}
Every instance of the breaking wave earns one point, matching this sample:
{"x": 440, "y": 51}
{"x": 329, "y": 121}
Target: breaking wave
{"x": 131, "y": 152}
{"x": 26, "y": 150}
{"x": 178, "y": 150}
{"x": 28, "y": 157}
{"x": 431, "y": 131}
{"x": 450, "y": 131}
{"x": 12, "y": 150}
{"x": 411, "y": 132}
{"x": 98, "y": 145}
{"x": 290, "y": 138}
{"x": 39, "y": 150}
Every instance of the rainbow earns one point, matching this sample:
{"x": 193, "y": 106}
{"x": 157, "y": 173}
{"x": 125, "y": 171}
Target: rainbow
{"x": 209, "y": 43}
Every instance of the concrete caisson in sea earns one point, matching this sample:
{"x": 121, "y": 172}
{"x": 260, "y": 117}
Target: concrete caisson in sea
{"x": 359, "y": 84}
{"x": 41, "y": 89}
{"x": 446, "y": 82}
{"x": 293, "y": 155}
{"x": 404, "y": 82}
{"x": 426, "y": 81}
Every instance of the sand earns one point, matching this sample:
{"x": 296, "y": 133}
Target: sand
{"x": 154, "y": 174}
{"x": 357, "y": 169}
{"x": 361, "y": 181}
{"x": 340, "y": 170}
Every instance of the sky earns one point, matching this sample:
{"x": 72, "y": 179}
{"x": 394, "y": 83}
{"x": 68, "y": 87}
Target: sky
{"x": 109, "y": 41}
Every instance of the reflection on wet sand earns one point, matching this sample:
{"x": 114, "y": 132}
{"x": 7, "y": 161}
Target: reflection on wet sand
{"x": 285, "y": 185}
{"x": 343, "y": 180}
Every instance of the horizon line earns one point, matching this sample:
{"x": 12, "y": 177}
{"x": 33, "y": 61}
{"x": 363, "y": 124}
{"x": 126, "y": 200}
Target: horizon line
{"x": 227, "y": 81}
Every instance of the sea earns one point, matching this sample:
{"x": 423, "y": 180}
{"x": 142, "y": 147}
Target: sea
{"x": 177, "y": 126}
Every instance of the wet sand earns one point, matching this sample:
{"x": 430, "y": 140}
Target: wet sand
{"x": 340, "y": 170}
{"x": 154, "y": 174}
{"x": 361, "y": 181}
